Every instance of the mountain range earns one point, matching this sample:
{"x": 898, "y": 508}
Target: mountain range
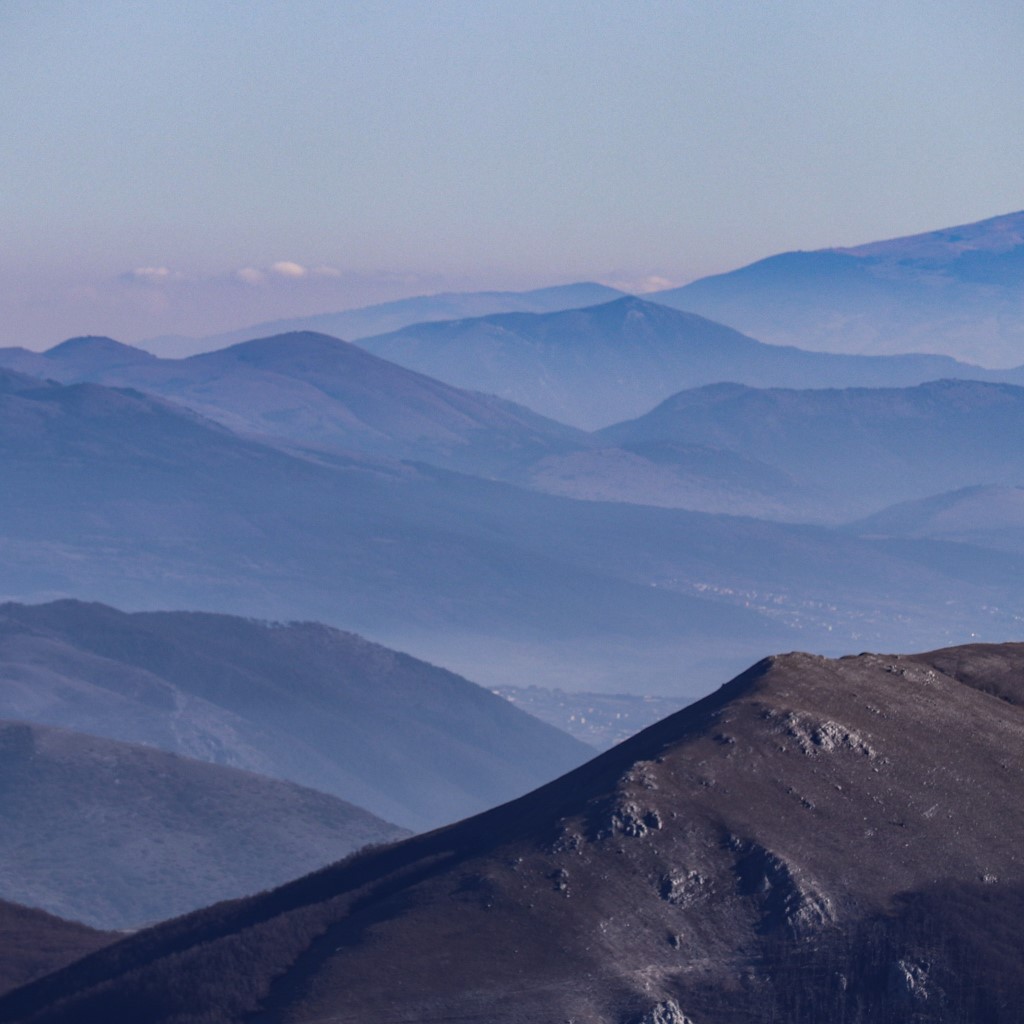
{"x": 990, "y": 516}
{"x": 117, "y": 835}
{"x": 410, "y": 742}
{"x": 852, "y": 450}
{"x": 123, "y": 498}
{"x": 120, "y": 497}
{"x": 592, "y": 367}
{"x": 817, "y": 840}
{"x": 957, "y": 291}
{"x": 313, "y": 391}
{"x": 390, "y": 316}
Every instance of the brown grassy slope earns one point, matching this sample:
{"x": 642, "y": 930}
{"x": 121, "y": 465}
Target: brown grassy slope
{"x": 33, "y": 943}
{"x": 818, "y": 840}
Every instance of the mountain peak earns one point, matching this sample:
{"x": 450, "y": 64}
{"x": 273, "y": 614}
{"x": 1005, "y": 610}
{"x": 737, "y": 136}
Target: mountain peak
{"x": 994, "y": 235}
{"x": 286, "y": 344}
{"x": 94, "y": 344}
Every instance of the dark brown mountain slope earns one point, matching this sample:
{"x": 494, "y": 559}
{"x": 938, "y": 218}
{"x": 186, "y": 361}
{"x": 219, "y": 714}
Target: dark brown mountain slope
{"x": 817, "y": 841}
{"x": 118, "y": 835}
{"x": 33, "y": 943}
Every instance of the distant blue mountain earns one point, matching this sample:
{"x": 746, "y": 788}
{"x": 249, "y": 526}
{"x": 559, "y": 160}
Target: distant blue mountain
{"x": 390, "y": 316}
{"x": 859, "y": 449}
{"x": 957, "y": 291}
{"x": 592, "y": 367}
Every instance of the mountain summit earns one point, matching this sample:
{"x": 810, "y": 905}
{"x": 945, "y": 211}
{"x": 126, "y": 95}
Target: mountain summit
{"x": 595, "y": 366}
{"x": 818, "y": 840}
{"x": 957, "y": 291}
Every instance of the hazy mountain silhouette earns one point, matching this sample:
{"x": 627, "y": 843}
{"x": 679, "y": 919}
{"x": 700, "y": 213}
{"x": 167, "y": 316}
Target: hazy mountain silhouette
{"x": 672, "y": 475}
{"x": 818, "y": 840}
{"x": 34, "y": 943}
{"x": 859, "y": 449}
{"x": 115, "y": 496}
{"x": 591, "y": 367}
{"x": 118, "y": 835}
{"x": 990, "y": 516}
{"x": 958, "y": 290}
{"x": 120, "y": 497}
{"x": 315, "y": 391}
{"x": 327, "y": 709}
{"x": 391, "y": 316}
{"x": 318, "y": 392}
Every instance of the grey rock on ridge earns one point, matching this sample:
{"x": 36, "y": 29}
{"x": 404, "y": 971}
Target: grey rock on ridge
{"x": 818, "y": 840}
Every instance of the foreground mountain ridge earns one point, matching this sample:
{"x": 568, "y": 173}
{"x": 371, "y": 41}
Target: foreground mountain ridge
{"x": 817, "y": 840}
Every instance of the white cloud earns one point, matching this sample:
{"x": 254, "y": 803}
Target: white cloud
{"x": 654, "y": 283}
{"x": 639, "y": 286}
{"x": 250, "y": 275}
{"x": 152, "y": 275}
{"x": 286, "y": 268}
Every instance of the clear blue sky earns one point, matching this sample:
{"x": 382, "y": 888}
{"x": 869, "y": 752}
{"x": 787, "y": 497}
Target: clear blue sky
{"x": 160, "y": 158}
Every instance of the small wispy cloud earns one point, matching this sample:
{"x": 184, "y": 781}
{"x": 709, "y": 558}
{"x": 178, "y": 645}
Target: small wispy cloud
{"x": 153, "y": 275}
{"x": 642, "y": 285}
{"x": 250, "y": 276}
{"x": 286, "y": 268}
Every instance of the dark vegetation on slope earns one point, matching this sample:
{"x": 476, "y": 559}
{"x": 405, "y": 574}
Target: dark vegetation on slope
{"x": 35, "y": 943}
{"x": 818, "y": 840}
{"x": 118, "y": 835}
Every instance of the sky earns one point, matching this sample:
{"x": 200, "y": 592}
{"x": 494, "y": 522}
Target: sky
{"x": 194, "y": 166}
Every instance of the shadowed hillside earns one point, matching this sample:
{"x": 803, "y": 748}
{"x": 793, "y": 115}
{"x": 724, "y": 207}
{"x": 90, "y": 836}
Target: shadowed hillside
{"x": 34, "y": 943}
{"x": 818, "y": 840}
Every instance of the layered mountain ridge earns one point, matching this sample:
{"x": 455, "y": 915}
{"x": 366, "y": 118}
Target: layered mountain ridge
{"x": 411, "y": 742}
